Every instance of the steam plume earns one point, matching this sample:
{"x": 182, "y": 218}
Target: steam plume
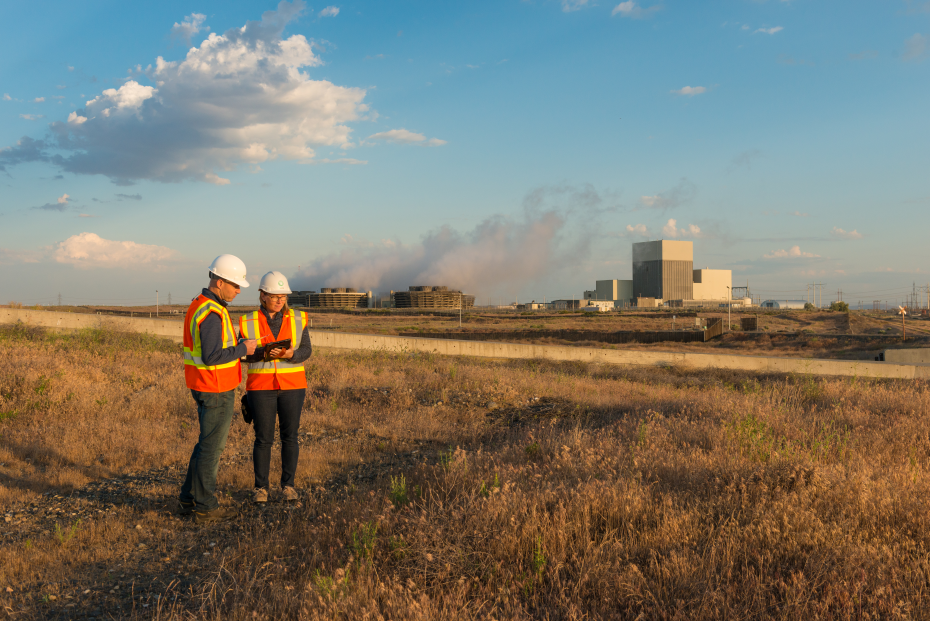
{"x": 553, "y": 233}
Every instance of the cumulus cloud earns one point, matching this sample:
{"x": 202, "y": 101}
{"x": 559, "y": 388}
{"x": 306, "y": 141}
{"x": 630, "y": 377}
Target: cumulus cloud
{"x": 32, "y": 117}
{"x": 90, "y": 250}
{"x": 841, "y": 234}
{"x": 690, "y": 91}
{"x": 770, "y": 31}
{"x": 864, "y": 55}
{"x": 190, "y": 26}
{"x": 6, "y": 97}
{"x": 637, "y": 229}
{"x": 403, "y": 136}
{"x": 38, "y": 100}
{"x": 683, "y": 192}
{"x": 573, "y": 5}
{"x": 330, "y": 11}
{"x": 745, "y": 158}
{"x": 792, "y": 253}
{"x": 243, "y": 97}
{"x": 915, "y": 48}
{"x": 671, "y": 230}
{"x": 633, "y": 10}
{"x": 554, "y": 233}
{"x": 59, "y": 205}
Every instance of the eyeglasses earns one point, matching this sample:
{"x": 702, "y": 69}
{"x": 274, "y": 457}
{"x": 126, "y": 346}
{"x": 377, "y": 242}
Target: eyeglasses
{"x": 275, "y": 298}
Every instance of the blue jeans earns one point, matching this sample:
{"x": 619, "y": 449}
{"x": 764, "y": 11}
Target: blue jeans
{"x": 285, "y": 406}
{"x": 215, "y": 411}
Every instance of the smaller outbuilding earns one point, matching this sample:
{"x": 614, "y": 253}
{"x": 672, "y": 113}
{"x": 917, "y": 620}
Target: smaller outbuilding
{"x": 784, "y": 304}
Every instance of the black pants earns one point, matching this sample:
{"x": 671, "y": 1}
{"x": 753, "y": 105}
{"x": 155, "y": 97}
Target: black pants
{"x": 266, "y": 406}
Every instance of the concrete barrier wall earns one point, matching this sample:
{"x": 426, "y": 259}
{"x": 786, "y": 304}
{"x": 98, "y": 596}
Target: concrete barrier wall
{"x": 486, "y": 349}
{"x": 919, "y": 355}
{"x": 172, "y": 329}
{"x": 167, "y": 328}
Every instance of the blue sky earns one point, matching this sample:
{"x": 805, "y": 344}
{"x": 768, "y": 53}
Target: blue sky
{"x": 511, "y": 148}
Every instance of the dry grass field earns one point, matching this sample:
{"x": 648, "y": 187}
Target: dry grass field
{"x": 451, "y": 488}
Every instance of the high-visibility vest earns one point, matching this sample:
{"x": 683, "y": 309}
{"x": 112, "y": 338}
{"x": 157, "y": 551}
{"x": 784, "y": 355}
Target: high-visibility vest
{"x": 278, "y": 374}
{"x": 199, "y": 376}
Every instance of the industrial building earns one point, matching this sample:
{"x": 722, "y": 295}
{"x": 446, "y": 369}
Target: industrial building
{"x": 784, "y": 304}
{"x": 330, "y": 297}
{"x": 663, "y": 270}
{"x": 664, "y": 275}
{"x": 429, "y": 296}
{"x": 620, "y": 292}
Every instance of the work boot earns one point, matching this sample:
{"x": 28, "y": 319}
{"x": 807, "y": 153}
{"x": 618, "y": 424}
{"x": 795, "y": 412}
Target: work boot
{"x": 290, "y": 494}
{"x": 260, "y": 494}
{"x": 220, "y": 514}
{"x": 185, "y": 508}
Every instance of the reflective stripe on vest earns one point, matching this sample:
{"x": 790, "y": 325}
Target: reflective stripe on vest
{"x": 254, "y": 326}
{"x": 200, "y": 376}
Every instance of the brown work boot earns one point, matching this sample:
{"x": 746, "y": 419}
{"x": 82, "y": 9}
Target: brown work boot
{"x": 185, "y": 508}
{"x": 220, "y": 514}
{"x": 260, "y": 495}
{"x": 290, "y": 494}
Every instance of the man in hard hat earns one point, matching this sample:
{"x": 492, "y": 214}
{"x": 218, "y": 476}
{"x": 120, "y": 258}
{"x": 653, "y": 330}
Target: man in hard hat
{"x": 212, "y": 372}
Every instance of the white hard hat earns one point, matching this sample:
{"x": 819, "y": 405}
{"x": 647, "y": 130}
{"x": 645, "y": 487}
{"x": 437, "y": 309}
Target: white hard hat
{"x": 231, "y": 268}
{"x": 274, "y": 282}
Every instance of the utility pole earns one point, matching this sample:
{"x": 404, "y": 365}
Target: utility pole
{"x": 169, "y": 298}
{"x": 156, "y": 302}
{"x": 729, "y": 306}
{"x": 59, "y": 299}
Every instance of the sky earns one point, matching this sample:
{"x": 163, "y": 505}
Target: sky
{"x": 514, "y": 149}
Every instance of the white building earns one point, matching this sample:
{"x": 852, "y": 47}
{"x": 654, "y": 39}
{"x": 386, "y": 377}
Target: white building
{"x": 712, "y": 284}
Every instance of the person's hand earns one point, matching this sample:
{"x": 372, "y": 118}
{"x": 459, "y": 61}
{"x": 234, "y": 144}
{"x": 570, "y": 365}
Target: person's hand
{"x": 287, "y": 354}
{"x": 275, "y": 353}
{"x": 250, "y": 346}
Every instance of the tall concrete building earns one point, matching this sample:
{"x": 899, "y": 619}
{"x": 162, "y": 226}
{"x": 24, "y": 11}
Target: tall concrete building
{"x": 663, "y": 270}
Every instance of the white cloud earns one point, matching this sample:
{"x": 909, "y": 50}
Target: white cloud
{"x": 60, "y": 205}
{"x": 573, "y": 5}
{"x": 633, "y": 10}
{"x": 690, "y": 91}
{"x": 244, "y": 97}
{"x": 70, "y": 68}
{"x": 671, "y": 230}
{"x": 683, "y": 192}
{"x": 915, "y": 48}
{"x": 90, "y": 250}
{"x": 38, "y": 100}
{"x": 403, "y": 136}
{"x": 63, "y": 199}
{"x": 189, "y": 27}
{"x": 841, "y": 234}
{"x": 800, "y": 214}
{"x": 637, "y": 229}
{"x": 6, "y": 97}
{"x": 32, "y": 117}
{"x": 770, "y": 31}
{"x": 76, "y": 119}
{"x": 792, "y": 253}
{"x": 351, "y": 161}
{"x": 330, "y": 11}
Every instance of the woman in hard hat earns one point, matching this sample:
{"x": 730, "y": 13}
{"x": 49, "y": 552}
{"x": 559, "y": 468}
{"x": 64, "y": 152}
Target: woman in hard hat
{"x": 276, "y": 384}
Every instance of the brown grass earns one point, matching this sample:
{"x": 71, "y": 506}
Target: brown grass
{"x": 589, "y": 491}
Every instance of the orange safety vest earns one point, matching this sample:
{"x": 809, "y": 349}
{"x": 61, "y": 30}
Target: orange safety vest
{"x": 218, "y": 378}
{"x": 278, "y": 374}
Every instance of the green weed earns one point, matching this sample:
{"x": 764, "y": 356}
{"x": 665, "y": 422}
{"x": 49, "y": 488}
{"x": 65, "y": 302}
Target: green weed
{"x": 364, "y": 540}
{"x": 64, "y": 536}
{"x": 399, "y": 491}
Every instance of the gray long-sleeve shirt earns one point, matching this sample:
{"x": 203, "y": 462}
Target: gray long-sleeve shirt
{"x": 301, "y": 354}
{"x": 211, "y": 338}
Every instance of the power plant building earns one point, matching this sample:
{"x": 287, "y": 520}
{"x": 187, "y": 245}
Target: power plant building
{"x": 429, "y": 296}
{"x": 664, "y": 275}
{"x": 330, "y": 297}
{"x": 663, "y": 270}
